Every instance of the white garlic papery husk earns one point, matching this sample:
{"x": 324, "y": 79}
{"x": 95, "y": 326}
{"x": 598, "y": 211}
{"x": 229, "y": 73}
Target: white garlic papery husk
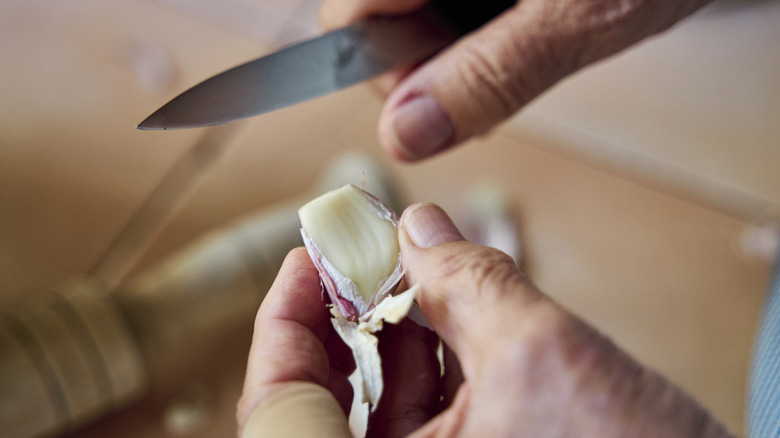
{"x": 352, "y": 239}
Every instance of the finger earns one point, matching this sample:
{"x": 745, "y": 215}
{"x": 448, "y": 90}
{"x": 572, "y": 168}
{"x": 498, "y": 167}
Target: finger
{"x": 385, "y": 83}
{"x": 342, "y": 364}
{"x": 339, "y": 354}
{"x": 411, "y": 372}
{"x": 290, "y": 328}
{"x": 296, "y": 297}
{"x": 339, "y": 13}
{"x": 490, "y": 74}
{"x": 530, "y": 368}
{"x": 340, "y": 387}
{"x": 452, "y": 379}
{"x": 472, "y": 296}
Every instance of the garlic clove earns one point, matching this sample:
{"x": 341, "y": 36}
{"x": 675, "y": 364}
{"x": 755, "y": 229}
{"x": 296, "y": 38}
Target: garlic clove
{"x": 352, "y": 239}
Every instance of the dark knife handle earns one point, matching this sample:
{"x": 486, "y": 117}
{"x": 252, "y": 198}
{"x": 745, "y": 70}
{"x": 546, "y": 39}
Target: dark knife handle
{"x": 465, "y": 16}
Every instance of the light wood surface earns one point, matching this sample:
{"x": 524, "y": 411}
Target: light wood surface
{"x": 658, "y": 271}
{"x": 695, "y": 108}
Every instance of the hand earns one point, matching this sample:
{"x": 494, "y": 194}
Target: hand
{"x": 519, "y": 364}
{"x": 529, "y": 367}
{"x": 296, "y": 383}
{"x": 490, "y": 74}
{"x": 294, "y": 348}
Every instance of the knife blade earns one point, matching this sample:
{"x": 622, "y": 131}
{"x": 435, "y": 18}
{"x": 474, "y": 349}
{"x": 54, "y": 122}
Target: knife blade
{"x": 322, "y": 65}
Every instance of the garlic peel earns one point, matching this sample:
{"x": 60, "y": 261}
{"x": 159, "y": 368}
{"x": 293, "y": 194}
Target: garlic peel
{"x": 361, "y": 340}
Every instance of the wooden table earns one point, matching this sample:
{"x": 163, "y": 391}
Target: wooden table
{"x": 655, "y": 267}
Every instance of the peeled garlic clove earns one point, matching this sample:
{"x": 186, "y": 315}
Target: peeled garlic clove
{"x": 351, "y": 236}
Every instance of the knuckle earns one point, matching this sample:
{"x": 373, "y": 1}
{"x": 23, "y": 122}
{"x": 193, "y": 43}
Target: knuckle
{"x": 552, "y": 338}
{"x": 544, "y": 329}
{"x": 488, "y": 80}
{"x": 489, "y": 273}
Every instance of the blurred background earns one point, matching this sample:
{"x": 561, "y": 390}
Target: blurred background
{"x": 644, "y": 190}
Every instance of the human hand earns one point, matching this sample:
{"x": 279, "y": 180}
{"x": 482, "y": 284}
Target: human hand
{"x": 296, "y": 383}
{"x": 490, "y": 74}
{"x": 296, "y": 357}
{"x": 529, "y": 368}
{"x": 519, "y": 364}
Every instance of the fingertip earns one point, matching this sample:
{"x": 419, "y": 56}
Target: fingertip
{"x": 426, "y": 224}
{"x": 298, "y": 258}
{"x": 390, "y": 143}
{"x": 415, "y": 128}
{"x": 298, "y": 275}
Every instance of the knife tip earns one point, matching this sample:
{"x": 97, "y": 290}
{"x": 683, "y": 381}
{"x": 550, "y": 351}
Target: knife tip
{"x": 151, "y": 123}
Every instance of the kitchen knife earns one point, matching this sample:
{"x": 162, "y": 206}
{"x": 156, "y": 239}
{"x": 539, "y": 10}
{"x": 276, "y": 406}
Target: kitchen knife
{"x": 324, "y": 64}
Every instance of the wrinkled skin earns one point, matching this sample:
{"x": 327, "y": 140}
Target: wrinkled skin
{"x": 490, "y": 74}
{"x": 517, "y": 365}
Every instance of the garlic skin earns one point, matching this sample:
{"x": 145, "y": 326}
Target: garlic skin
{"x": 364, "y": 345}
{"x": 352, "y": 239}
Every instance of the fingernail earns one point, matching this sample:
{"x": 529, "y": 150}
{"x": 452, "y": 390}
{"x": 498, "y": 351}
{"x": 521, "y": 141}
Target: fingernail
{"x": 420, "y": 127}
{"x": 428, "y": 225}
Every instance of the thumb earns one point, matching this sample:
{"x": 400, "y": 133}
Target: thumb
{"x": 470, "y": 294}
{"x": 479, "y": 81}
{"x": 490, "y": 74}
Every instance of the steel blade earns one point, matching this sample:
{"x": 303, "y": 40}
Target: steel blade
{"x": 304, "y": 71}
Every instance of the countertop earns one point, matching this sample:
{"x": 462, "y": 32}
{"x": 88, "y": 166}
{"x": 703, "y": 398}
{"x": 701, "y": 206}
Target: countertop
{"x": 654, "y": 261}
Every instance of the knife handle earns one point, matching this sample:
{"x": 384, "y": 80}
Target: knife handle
{"x": 465, "y": 16}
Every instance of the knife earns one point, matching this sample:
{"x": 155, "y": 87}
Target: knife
{"x": 324, "y": 64}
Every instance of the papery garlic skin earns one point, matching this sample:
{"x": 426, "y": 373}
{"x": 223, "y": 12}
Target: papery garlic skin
{"x": 364, "y": 345}
{"x": 352, "y": 239}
